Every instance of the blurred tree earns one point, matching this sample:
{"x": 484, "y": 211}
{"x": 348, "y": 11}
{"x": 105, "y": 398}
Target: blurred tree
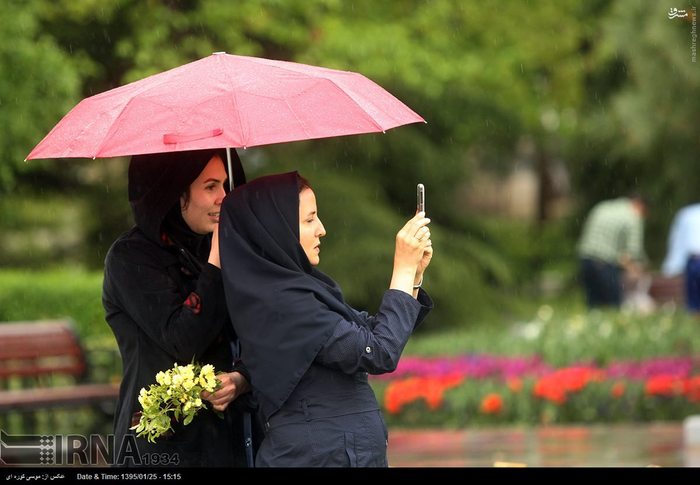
{"x": 39, "y": 82}
{"x": 488, "y": 77}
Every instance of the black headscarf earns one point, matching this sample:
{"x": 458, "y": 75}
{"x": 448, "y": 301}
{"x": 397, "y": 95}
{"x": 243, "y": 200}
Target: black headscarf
{"x": 282, "y": 308}
{"x": 156, "y": 182}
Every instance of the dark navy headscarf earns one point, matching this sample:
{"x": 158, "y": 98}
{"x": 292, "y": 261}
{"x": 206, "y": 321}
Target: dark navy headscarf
{"x": 282, "y": 308}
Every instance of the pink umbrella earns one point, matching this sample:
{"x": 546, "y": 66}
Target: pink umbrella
{"x": 224, "y": 101}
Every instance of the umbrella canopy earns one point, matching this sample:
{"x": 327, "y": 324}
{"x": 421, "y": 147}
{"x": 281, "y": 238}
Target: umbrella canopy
{"x": 222, "y": 101}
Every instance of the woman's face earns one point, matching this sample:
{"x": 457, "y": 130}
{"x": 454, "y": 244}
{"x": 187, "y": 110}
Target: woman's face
{"x": 311, "y": 228}
{"x": 201, "y": 211}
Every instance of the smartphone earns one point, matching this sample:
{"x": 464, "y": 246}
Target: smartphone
{"x": 420, "y": 197}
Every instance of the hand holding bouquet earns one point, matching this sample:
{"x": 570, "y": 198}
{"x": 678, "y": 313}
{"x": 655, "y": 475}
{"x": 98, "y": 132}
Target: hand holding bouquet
{"x": 176, "y": 396}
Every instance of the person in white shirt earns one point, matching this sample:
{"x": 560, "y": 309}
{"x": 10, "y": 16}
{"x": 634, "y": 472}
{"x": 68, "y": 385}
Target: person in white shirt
{"x": 683, "y": 256}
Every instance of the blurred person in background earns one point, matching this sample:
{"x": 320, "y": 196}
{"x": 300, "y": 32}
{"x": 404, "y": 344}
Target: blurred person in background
{"x": 683, "y": 255}
{"x": 611, "y": 249}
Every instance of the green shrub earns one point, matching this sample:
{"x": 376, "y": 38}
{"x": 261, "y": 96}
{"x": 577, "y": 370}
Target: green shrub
{"x": 562, "y": 337}
{"x": 58, "y": 293}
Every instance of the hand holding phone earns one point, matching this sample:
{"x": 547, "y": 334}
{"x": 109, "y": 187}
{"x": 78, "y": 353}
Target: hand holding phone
{"x": 420, "y": 197}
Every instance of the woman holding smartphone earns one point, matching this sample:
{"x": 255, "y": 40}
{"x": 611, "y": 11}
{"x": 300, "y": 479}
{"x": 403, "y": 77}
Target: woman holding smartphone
{"x": 308, "y": 352}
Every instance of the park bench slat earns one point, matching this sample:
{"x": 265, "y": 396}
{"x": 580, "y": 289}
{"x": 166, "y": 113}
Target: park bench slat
{"x": 37, "y": 398}
{"x": 33, "y": 354}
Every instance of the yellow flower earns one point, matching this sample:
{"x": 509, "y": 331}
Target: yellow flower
{"x": 188, "y": 383}
{"x": 143, "y": 397}
{"x": 212, "y": 384}
{"x": 161, "y": 377}
{"x": 174, "y": 397}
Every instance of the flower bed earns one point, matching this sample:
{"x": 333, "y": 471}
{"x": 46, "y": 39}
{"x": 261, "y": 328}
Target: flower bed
{"x": 488, "y": 389}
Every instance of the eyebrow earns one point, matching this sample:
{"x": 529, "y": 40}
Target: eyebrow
{"x": 213, "y": 179}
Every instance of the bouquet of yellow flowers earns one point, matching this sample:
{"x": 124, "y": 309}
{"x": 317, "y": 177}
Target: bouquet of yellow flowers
{"x": 175, "y": 396}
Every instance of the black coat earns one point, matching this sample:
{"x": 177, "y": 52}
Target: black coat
{"x": 165, "y": 305}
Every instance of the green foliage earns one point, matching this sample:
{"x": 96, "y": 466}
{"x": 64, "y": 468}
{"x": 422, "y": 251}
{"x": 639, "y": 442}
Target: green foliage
{"x": 38, "y": 84}
{"x": 40, "y": 229}
{"x": 578, "y": 81}
{"x": 564, "y": 336}
{"x": 60, "y": 293}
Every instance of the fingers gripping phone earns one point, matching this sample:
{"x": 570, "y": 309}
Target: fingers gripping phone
{"x": 420, "y": 197}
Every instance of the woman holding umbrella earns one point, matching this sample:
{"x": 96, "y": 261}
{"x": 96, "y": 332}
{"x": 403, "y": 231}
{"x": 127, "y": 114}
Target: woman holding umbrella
{"x": 164, "y": 301}
{"x": 308, "y": 352}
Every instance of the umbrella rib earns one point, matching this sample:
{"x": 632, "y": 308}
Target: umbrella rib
{"x": 234, "y": 103}
{"x": 372, "y": 120}
{"x": 324, "y": 78}
{"x": 77, "y": 138}
{"x": 301, "y": 123}
{"x": 112, "y": 129}
{"x": 55, "y": 128}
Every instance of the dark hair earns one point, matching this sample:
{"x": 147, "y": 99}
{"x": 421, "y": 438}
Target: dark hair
{"x": 302, "y": 183}
{"x": 185, "y": 195}
{"x": 222, "y": 155}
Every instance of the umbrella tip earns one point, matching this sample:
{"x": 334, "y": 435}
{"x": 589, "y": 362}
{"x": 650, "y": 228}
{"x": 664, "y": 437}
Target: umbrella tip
{"x": 218, "y": 52}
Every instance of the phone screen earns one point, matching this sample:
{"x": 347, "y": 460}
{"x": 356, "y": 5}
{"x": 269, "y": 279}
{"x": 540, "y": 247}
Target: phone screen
{"x": 420, "y": 197}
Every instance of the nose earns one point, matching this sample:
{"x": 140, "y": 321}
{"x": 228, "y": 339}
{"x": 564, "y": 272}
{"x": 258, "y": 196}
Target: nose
{"x": 321, "y": 229}
{"x": 221, "y": 193}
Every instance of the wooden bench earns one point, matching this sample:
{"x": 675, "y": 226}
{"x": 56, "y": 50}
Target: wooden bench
{"x": 47, "y": 362}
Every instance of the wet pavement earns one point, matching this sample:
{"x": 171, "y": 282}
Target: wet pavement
{"x": 629, "y": 445}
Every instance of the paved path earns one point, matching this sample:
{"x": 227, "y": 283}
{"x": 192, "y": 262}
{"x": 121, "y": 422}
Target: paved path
{"x": 635, "y": 445}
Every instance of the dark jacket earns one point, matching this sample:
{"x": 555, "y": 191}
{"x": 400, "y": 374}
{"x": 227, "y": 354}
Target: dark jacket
{"x": 332, "y": 417}
{"x": 165, "y": 305}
